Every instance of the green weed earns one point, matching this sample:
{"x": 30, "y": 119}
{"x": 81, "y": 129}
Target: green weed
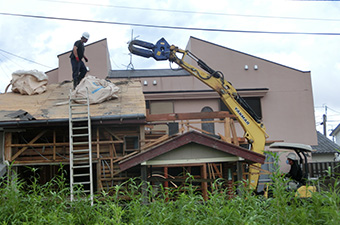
{"x": 135, "y": 202}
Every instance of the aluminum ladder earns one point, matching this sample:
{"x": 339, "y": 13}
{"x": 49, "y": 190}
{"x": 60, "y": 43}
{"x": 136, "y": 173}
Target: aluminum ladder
{"x": 81, "y": 173}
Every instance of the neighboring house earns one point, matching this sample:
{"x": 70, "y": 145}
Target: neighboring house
{"x": 98, "y": 65}
{"x": 336, "y": 134}
{"x": 326, "y": 150}
{"x": 132, "y": 134}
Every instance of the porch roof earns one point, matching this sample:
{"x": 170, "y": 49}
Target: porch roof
{"x": 188, "y": 138}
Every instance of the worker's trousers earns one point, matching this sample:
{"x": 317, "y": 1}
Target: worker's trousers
{"x": 78, "y": 71}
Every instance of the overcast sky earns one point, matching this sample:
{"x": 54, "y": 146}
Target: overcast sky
{"x": 40, "y": 40}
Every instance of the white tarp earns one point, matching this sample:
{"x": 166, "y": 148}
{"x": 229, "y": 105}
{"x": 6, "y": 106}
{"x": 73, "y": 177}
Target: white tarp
{"x": 99, "y": 90}
{"x": 29, "y": 82}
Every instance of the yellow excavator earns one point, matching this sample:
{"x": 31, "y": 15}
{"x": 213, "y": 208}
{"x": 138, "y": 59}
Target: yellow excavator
{"x": 254, "y": 129}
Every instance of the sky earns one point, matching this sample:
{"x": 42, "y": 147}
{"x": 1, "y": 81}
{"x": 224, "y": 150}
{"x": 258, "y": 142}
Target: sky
{"x": 312, "y": 43}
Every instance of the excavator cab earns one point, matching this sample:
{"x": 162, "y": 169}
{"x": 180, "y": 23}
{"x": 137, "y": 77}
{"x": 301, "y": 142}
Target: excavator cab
{"x": 304, "y": 190}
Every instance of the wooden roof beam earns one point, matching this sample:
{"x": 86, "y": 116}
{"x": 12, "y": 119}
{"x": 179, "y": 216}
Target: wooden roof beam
{"x": 188, "y": 116}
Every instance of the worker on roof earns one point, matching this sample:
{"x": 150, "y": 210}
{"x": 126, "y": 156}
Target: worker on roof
{"x": 79, "y": 69}
{"x": 295, "y": 172}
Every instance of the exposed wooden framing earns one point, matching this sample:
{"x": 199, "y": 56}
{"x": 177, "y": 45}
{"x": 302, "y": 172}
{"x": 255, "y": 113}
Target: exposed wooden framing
{"x": 61, "y": 144}
{"x": 211, "y": 173}
{"x": 99, "y": 182}
{"x": 142, "y": 135}
{"x": 198, "y": 129}
{"x": 111, "y": 148}
{"x": 227, "y": 126}
{"x": 8, "y": 148}
{"x": 111, "y": 168}
{"x": 31, "y": 142}
{"x": 204, "y": 184}
{"x": 166, "y": 183}
{"x": 157, "y": 141}
{"x": 113, "y": 134}
{"x": 97, "y": 138}
{"x": 219, "y": 174}
{"x": 125, "y": 157}
{"x": 233, "y": 131}
{"x": 187, "y": 116}
{"x": 107, "y": 142}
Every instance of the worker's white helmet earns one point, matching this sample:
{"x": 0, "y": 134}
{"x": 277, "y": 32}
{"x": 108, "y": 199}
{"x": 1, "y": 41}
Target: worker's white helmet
{"x": 86, "y": 35}
{"x": 291, "y": 156}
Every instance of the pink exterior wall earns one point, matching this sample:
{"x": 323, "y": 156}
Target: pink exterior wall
{"x": 99, "y": 62}
{"x": 287, "y": 107}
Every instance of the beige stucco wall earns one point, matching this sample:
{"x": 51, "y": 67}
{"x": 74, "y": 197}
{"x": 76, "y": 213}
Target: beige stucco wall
{"x": 99, "y": 62}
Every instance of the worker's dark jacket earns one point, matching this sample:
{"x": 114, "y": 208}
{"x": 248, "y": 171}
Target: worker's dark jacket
{"x": 295, "y": 172}
{"x": 80, "y": 50}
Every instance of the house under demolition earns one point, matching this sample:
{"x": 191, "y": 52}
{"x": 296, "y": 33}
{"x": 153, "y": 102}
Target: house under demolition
{"x": 163, "y": 125}
{"x": 126, "y": 141}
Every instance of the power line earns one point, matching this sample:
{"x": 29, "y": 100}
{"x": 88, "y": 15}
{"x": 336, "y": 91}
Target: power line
{"x": 169, "y": 27}
{"x": 192, "y": 12}
{"x": 24, "y": 58}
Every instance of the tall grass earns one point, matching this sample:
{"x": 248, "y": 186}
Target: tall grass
{"x": 22, "y": 203}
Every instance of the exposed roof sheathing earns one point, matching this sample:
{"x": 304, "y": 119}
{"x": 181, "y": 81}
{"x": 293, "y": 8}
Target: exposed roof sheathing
{"x": 44, "y": 106}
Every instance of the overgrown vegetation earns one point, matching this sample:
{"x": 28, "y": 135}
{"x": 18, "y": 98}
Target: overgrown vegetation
{"x": 22, "y": 203}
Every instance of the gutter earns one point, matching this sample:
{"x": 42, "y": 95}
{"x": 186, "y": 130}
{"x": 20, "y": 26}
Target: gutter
{"x": 137, "y": 118}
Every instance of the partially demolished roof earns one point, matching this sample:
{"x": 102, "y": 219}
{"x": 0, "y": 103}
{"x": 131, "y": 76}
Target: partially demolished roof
{"x": 52, "y": 105}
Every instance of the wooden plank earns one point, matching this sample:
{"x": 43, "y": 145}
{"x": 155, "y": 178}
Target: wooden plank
{"x": 31, "y": 142}
{"x": 219, "y": 174}
{"x": 99, "y": 183}
{"x": 142, "y": 135}
{"x": 187, "y": 116}
{"x": 157, "y": 141}
{"x": 124, "y": 157}
{"x": 97, "y": 144}
{"x": 227, "y": 133}
{"x": 8, "y": 148}
{"x": 233, "y": 131}
{"x": 113, "y": 134}
{"x": 204, "y": 184}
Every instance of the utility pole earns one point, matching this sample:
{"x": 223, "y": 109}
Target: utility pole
{"x": 324, "y": 122}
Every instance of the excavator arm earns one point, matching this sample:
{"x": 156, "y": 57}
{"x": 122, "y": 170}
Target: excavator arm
{"x": 255, "y": 131}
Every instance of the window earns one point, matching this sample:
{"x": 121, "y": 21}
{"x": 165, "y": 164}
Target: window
{"x": 209, "y": 127}
{"x": 253, "y": 102}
